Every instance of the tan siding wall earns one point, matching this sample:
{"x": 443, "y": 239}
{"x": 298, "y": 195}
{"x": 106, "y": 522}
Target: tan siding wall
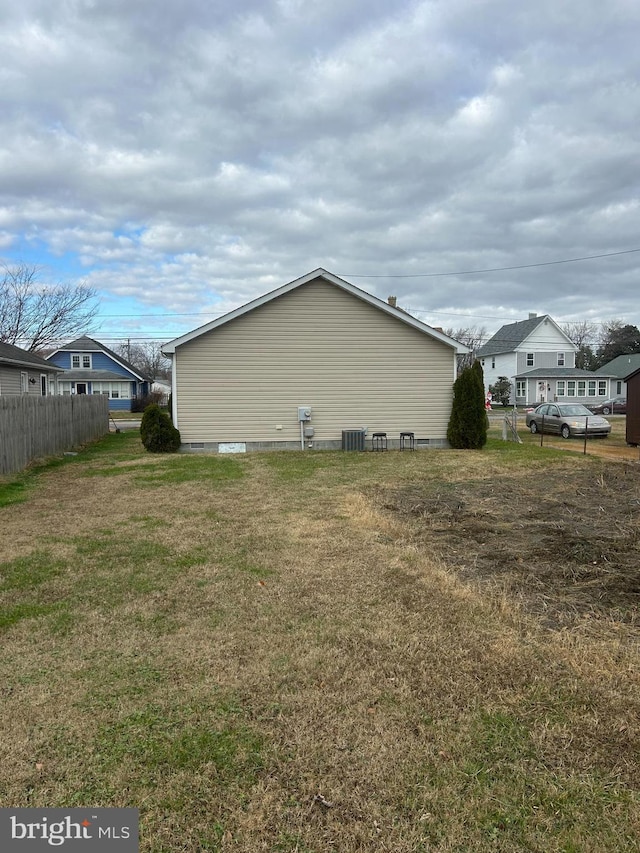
{"x": 317, "y": 346}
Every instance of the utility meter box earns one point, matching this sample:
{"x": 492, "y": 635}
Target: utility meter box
{"x": 304, "y": 413}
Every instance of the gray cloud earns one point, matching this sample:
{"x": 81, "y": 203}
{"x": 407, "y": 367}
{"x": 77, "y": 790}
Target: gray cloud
{"x": 192, "y": 155}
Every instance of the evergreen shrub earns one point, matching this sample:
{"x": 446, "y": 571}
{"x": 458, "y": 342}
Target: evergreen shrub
{"x": 157, "y": 432}
{"x": 468, "y": 423}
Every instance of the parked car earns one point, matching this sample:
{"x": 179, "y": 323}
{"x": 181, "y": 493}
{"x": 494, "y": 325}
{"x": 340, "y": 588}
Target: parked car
{"x": 567, "y": 420}
{"x": 616, "y": 406}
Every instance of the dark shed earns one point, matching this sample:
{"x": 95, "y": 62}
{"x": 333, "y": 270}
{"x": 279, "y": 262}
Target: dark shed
{"x": 633, "y": 407}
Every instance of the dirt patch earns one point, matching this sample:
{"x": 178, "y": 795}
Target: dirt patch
{"x": 567, "y": 545}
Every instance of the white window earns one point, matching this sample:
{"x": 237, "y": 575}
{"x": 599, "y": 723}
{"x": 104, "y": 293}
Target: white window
{"x": 571, "y": 387}
{"x": 493, "y": 362}
{"x": 602, "y": 388}
{"x": 581, "y": 388}
{"x": 521, "y": 388}
{"x": 560, "y": 392}
{"x": 24, "y": 383}
{"x": 591, "y": 388}
{"x": 114, "y": 390}
{"x": 81, "y": 360}
{"x": 560, "y": 359}
{"x": 530, "y": 359}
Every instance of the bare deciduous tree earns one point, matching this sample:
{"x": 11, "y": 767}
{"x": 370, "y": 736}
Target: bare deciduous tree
{"x": 147, "y": 357}
{"x": 34, "y": 316}
{"x": 472, "y": 337}
{"x": 583, "y": 334}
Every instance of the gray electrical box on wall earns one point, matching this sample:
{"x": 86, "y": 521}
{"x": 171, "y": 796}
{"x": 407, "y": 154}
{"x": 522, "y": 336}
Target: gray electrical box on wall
{"x": 304, "y": 413}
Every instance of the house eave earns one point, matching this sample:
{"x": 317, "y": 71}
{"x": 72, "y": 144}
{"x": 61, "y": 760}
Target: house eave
{"x": 30, "y": 365}
{"x": 561, "y": 373}
{"x": 84, "y": 375}
{"x": 170, "y": 347}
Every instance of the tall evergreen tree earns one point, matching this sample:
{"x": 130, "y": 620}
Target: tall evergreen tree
{"x": 617, "y": 339}
{"x": 468, "y": 424}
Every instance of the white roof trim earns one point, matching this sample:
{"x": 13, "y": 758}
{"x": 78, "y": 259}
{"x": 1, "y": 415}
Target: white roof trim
{"x": 546, "y": 318}
{"x": 170, "y": 348}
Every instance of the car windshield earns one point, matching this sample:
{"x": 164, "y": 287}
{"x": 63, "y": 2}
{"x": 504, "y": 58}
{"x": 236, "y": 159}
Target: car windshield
{"x": 575, "y": 411}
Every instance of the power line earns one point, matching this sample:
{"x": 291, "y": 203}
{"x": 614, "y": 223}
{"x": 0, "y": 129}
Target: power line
{"x": 495, "y": 269}
{"x": 415, "y": 275}
{"x": 189, "y": 314}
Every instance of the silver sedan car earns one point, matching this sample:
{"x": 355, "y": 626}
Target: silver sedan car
{"x": 567, "y": 419}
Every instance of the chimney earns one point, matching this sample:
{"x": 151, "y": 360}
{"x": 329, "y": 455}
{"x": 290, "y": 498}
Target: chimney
{"x": 392, "y": 301}
{"x": 532, "y": 315}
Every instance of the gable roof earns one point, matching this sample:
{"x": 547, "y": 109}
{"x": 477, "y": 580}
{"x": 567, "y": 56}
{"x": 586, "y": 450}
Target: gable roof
{"x": 15, "y": 356}
{"x": 631, "y": 375}
{"x": 85, "y": 344}
{"x": 511, "y": 336}
{"x": 621, "y": 366}
{"x": 319, "y": 273}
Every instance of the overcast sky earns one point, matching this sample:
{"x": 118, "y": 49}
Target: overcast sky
{"x": 186, "y": 156}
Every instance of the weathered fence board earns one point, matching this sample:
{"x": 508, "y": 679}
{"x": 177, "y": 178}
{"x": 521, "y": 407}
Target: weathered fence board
{"x": 37, "y": 427}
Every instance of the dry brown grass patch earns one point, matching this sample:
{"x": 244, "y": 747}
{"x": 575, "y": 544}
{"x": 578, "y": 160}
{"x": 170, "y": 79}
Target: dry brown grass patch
{"x": 291, "y": 661}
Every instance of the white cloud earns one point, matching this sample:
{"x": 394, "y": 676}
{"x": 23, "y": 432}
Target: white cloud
{"x": 197, "y": 156}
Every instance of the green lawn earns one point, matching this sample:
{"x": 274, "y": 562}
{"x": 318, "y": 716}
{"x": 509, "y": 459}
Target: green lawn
{"x": 275, "y": 652}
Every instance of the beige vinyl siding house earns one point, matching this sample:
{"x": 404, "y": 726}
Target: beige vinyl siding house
{"x": 357, "y": 362}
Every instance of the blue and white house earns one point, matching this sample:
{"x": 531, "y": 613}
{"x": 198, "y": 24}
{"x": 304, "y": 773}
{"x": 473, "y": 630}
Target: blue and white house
{"x": 92, "y": 368}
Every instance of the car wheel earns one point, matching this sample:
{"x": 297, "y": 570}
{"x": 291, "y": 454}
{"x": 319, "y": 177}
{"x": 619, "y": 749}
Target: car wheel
{"x": 606, "y": 410}
{"x": 565, "y": 432}
{"x": 533, "y": 426}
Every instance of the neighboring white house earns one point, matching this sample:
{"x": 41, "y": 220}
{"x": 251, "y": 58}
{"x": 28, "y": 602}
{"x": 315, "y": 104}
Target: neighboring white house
{"x": 307, "y": 363}
{"x": 538, "y": 358}
{"x": 162, "y": 388}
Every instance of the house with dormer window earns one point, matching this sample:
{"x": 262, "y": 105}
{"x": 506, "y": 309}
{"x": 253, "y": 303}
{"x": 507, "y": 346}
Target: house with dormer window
{"x": 539, "y": 359}
{"x": 90, "y": 367}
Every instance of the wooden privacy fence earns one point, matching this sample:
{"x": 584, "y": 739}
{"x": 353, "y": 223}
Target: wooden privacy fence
{"x": 37, "y": 427}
